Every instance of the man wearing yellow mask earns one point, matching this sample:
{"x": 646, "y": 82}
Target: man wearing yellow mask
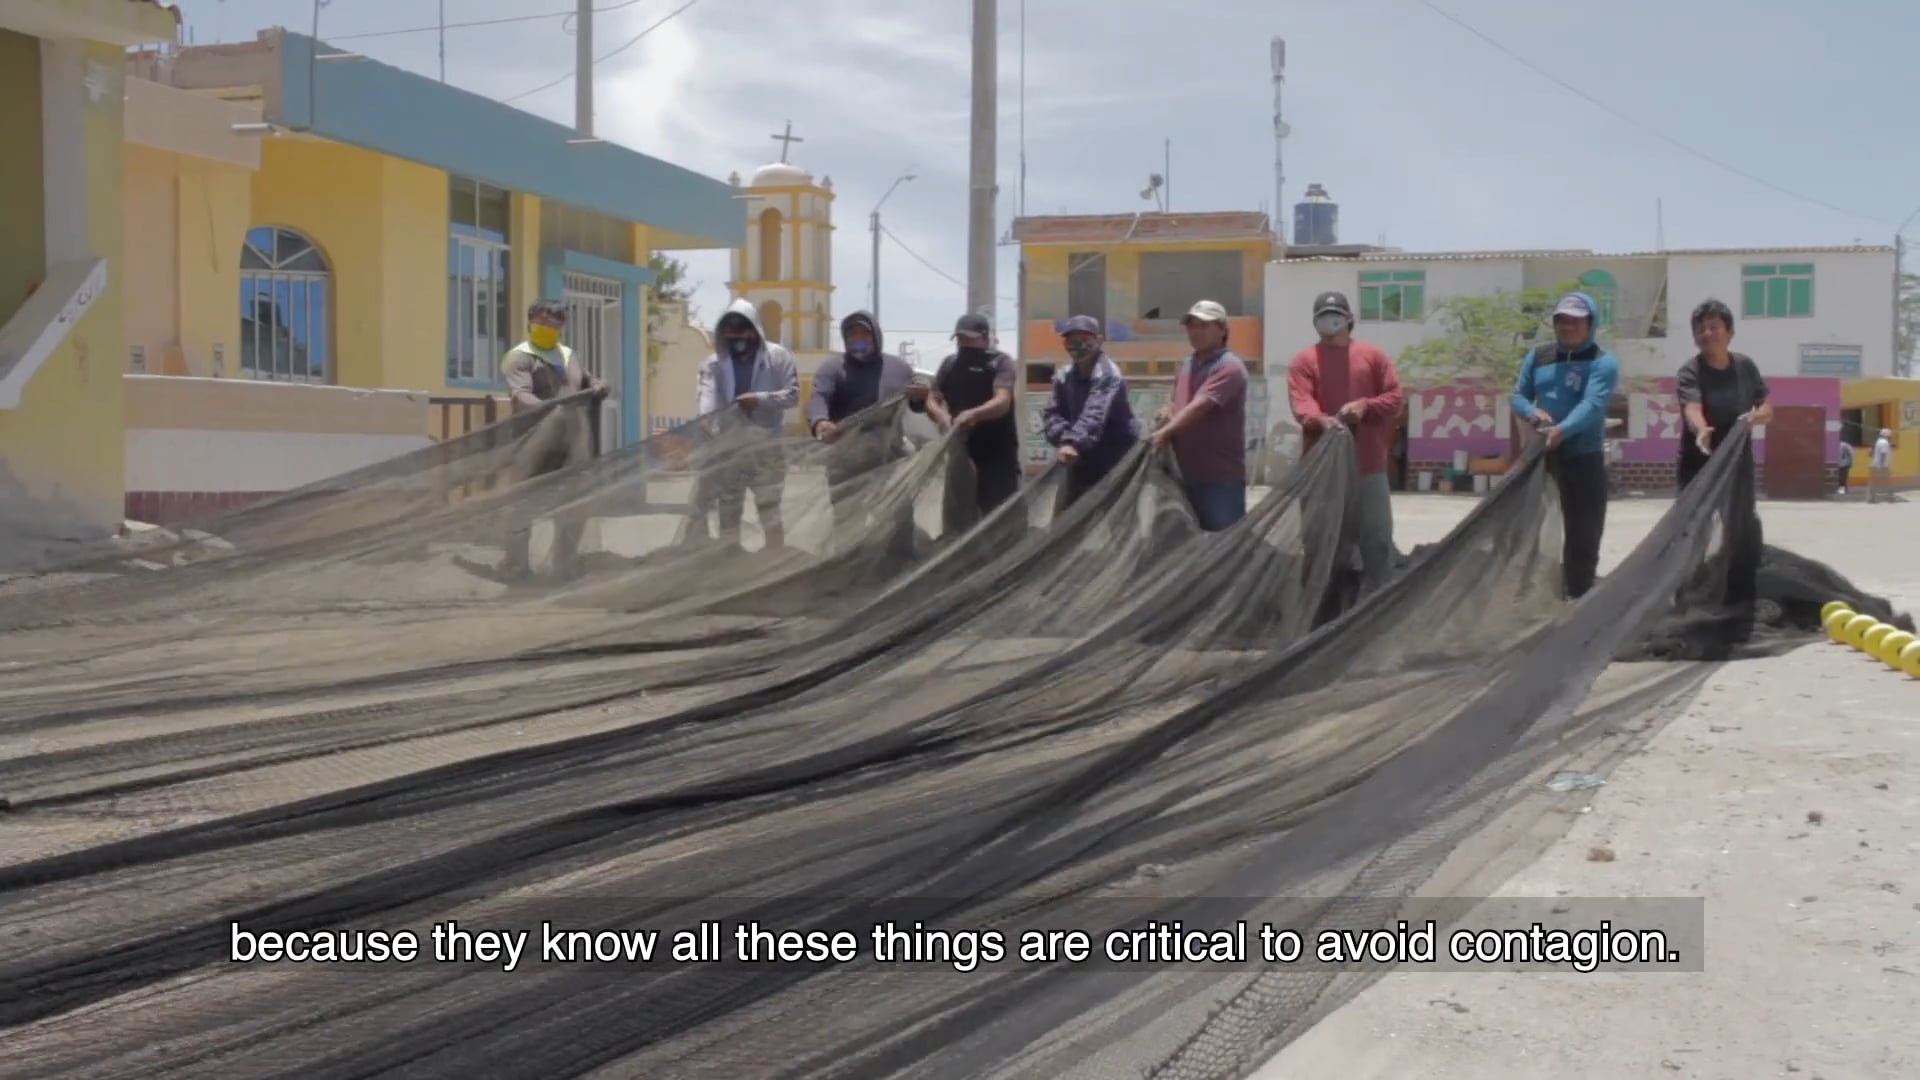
{"x": 540, "y": 369}
{"x": 537, "y": 371}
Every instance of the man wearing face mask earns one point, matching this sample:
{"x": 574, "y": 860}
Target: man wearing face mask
{"x": 856, "y": 380}
{"x": 537, "y": 371}
{"x": 1563, "y": 389}
{"x": 973, "y": 392}
{"x": 1344, "y": 381}
{"x": 756, "y": 378}
{"x": 1088, "y": 419}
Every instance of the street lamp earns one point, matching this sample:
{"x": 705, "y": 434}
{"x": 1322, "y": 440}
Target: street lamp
{"x": 873, "y": 223}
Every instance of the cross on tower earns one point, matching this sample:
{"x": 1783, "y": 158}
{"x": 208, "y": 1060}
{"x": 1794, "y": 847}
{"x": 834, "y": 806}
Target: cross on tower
{"x": 786, "y": 141}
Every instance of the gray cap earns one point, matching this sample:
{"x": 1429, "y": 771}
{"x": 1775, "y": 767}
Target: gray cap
{"x": 973, "y": 323}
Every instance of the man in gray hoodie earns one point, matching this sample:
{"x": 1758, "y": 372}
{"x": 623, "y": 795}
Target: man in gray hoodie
{"x": 757, "y": 378}
{"x": 862, "y": 376}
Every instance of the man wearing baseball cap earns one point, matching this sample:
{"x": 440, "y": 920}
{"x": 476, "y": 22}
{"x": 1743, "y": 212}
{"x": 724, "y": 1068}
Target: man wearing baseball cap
{"x": 1206, "y": 423}
{"x": 1088, "y": 419}
{"x": 973, "y": 393}
{"x": 1344, "y": 381}
{"x": 1563, "y": 389}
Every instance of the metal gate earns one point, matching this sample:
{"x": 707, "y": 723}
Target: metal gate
{"x": 594, "y": 334}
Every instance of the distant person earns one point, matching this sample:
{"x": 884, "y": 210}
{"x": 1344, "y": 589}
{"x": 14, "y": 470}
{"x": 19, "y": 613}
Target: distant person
{"x": 1088, "y": 420}
{"x": 536, "y": 371}
{"x": 1880, "y": 468}
{"x": 1344, "y": 381}
{"x": 973, "y": 393}
{"x": 758, "y": 378}
{"x": 1846, "y": 466}
{"x": 1719, "y": 388}
{"x": 1563, "y": 389}
{"x": 1206, "y": 422}
{"x": 861, "y": 376}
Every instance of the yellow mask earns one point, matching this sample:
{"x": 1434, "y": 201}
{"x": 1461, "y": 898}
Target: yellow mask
{"x": 542, "y": 337}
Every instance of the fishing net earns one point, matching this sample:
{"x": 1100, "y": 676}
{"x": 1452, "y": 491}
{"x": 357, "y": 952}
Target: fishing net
{"x": 729, "y": 676}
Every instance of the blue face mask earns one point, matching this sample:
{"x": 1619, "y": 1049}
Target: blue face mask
{"x": 859, "y": 348}
{"x": 739, "y": 346}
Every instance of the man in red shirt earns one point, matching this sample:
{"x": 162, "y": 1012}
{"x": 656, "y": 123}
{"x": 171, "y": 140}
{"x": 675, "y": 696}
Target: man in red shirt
{"x": 1343, "y": 381}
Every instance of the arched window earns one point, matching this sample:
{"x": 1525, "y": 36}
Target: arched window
{"x": 771, "y": 314}
{"x": 1600, "y": 284}
{"x": 770, "y": 265}
{"x": 284, "y": 307}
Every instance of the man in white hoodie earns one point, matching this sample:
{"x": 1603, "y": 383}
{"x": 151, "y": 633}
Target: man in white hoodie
{"x": 756, "y": 379}
{"x": 1880, "y": 468}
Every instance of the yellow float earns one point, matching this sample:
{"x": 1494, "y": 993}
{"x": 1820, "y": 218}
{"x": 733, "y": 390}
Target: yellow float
{"x": 1827, "y": 609}
{"x": 1910, "y": 659}
{"x": 1891, "y": 646}
{"x": 1856, "y": 628}
{"x": 1836, "y": 624}
{"x": 1877, "y": 633}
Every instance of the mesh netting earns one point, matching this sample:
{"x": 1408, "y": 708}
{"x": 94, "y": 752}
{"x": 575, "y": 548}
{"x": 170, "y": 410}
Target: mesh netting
{"x": 726, "y": 675}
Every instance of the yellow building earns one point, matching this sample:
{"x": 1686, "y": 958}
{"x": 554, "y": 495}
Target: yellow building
{"x": 678, "y": 347}
{"x": 1868, "y": 406}
{"x": 785, "y": 266}
{"x": 381, "y": 231}
{"x": 60, "y": 289}
{"x": 1138, "y": 274}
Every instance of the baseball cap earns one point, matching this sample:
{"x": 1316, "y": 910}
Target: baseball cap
{"x": 1206, "y": 311}
{"x": 972, "y": 323}
{"x": 1572, "y": 304}
{"x": 1080, "y": 324}
{"x": 1332, "y": 301}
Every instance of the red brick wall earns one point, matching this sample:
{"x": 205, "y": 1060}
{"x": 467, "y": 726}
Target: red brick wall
{"x": 170, "y": 507}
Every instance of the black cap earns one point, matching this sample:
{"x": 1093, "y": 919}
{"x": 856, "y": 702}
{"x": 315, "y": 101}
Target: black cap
{"x": 972, "y": 323}
{"x": 1332, "y": 301}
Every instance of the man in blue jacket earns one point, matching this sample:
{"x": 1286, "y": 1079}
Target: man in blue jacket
{"x": 1563, "y": 389}
{"x": 1088, "y": 420}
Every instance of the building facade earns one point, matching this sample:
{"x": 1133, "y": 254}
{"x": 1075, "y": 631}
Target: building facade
{"x": 62, "y": 460}
{"x": 381, "y": 231}
{"x": 1138, "y": 274}
{"x": 1812, "y": 318}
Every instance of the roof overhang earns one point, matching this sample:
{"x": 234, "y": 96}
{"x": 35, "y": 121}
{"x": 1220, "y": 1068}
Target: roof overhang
{"x": 182, "y": 122}
{"x": 116, "y": 22}
{"x": 350, "y": 99}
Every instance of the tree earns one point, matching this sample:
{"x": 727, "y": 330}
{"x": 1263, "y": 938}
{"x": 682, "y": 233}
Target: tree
{"x": 669, "y": 286}
{"x": 1486, "y": 337}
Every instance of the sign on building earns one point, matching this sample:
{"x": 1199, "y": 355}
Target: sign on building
{"x": 1910, "y": 414}
{"x": 1831, "y": 360}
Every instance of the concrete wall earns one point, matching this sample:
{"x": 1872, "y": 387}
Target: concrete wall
{"x": 674, "y": 368}
{"x": 195, "y": 446}
{"x": 61, "y": 456}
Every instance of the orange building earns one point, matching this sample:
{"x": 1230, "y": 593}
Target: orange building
{"x": 1138, "y": 274}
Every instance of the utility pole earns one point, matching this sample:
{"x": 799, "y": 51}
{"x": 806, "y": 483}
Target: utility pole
{"x": 873, "y": 222}
{"x": 443, "y": 40}
{"x": 1901, "y": 363}
{"x": 583, "y": 69}
{"x": 980, "y": 216}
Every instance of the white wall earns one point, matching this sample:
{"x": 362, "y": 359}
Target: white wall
{"x": 1292, "y": 286}
{"x": 1852, "y": 305}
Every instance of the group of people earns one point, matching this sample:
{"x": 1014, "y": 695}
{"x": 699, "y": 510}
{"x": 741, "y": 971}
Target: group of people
{"x": 1563, "y": 389}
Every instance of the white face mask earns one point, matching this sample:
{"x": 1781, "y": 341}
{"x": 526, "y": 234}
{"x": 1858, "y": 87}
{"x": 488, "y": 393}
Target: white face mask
{"x": 1330, "y": 324}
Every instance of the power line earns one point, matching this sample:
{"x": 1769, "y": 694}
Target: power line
{"x": 631, "y": 42}
{"x": 917, "y": 257}
{"x": 1648, "y": 128}
{"x": 502, "y": 21}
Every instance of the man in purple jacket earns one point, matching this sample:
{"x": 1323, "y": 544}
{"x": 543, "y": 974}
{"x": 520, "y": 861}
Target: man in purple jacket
{"x": 1088, "y": 419}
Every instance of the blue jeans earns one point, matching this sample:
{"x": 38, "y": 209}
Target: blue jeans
{"x": 1217, "y": 503}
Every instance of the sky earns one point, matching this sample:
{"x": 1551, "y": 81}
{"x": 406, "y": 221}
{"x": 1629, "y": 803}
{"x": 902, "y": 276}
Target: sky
{"x": 1748, "y": 123}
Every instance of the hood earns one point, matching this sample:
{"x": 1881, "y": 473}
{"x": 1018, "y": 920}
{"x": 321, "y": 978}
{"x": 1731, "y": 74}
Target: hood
{"x": 745, "y": 308}
{"x": 1593, "y": 319}
{"x": 879, "y": 342}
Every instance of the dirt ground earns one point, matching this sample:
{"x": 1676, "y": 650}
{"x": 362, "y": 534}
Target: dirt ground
{"x": 1786, "y": 793}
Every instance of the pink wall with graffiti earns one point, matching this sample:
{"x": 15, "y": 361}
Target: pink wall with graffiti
{"x": 1474, "y": 418}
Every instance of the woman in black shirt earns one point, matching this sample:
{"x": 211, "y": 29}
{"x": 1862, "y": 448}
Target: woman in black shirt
{"x": 1718, "y": 389}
